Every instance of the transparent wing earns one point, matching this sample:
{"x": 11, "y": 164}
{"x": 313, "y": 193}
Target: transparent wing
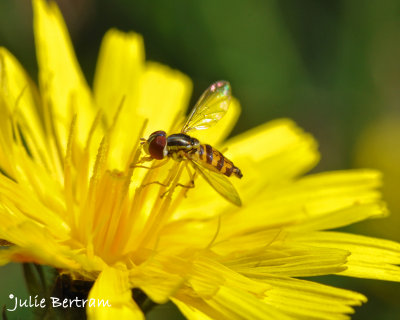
{"x": 220, "y": 183}
{"x": 210, "y": 108}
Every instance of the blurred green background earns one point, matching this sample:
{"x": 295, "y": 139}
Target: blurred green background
{"x": 332, "y": 66}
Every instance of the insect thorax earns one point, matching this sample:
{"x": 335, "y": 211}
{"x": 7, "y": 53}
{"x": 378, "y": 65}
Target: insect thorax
{"x": 180, "y": 144}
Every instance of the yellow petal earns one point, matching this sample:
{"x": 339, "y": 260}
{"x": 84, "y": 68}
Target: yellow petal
{"x": 227, "y": 304}
{"x": 19, "y": 106}
{"x": 292, "y": 260}
{"x": 272, "y": 153}
{"x": 237, "y": 304}
{"x": 192, "y": 313}
{"x": 18, "y": 204}
{"x": 321, "y": 201}
{"x": 331, "y": 191}
{"x": 196, "y": 309}
{"x": 111, "y": 290}
{"x": 173, "y": 237}
{"x": 285, "y": 298}
{"x": 119, "y": 71}
{"x": 61, "y": 81}
{"x": 163, "y": 97}
{"x": 207, "y": 276}
{"x": 275, "y": 139}
{"x": 370, "y": 257}
{"x": 40, "y": 236}
{"x": 221, "y": 293}
{"x": 310, "y": 300}
{"x": 342, "y": 217}
{"x": 36, "y": 244}
{"x": 160, "y": 277}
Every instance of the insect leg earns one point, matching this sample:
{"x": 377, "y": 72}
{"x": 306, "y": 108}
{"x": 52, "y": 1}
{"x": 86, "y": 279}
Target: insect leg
{"x": 189, "y": 186}
{"x": 145, "y": 159}
{"x": 155, "y": 182}
{"x": 191, "y": 175}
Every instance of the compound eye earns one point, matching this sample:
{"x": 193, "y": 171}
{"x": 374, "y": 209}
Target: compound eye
{"x": 157, "y": 145}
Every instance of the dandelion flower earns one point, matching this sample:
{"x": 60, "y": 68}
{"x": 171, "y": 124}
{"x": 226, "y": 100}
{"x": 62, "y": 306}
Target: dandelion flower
{"x": 70, "y": 197}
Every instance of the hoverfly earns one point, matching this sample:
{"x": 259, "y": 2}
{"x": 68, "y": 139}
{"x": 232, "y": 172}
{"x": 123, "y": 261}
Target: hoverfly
{"x": 212, "y": 165}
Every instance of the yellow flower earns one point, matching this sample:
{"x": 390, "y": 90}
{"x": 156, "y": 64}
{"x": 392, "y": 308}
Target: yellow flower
{"x": 70, "y": 197}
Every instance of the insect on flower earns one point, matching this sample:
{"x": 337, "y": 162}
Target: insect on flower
{"x": 212, "y": 165}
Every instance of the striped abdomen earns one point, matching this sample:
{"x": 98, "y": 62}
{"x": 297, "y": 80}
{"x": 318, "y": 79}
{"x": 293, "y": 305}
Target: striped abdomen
{"x": 214, "y": 160}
